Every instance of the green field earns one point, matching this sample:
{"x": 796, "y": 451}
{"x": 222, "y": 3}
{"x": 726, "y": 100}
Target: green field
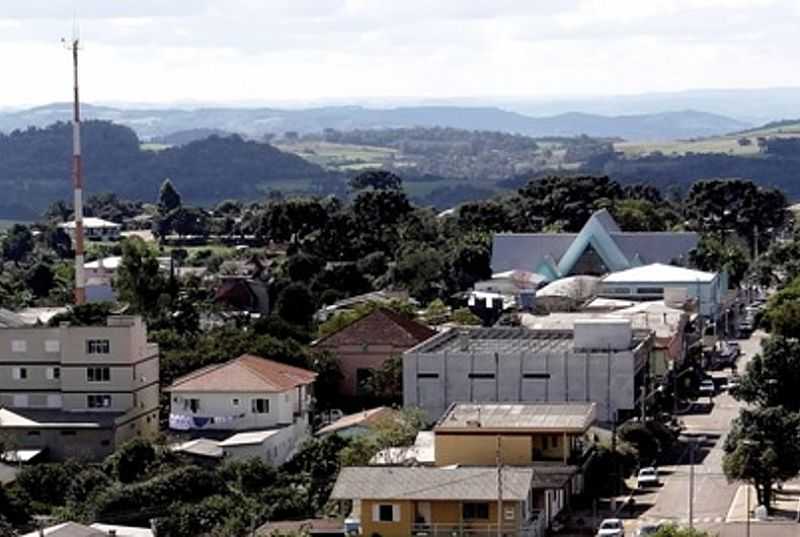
{"x": 723, "y": 144}
{"x": 343, "y": 156}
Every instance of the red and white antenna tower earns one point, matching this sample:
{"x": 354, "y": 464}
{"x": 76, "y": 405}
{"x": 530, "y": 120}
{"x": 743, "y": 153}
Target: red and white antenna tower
{"x": 77, "y": 176}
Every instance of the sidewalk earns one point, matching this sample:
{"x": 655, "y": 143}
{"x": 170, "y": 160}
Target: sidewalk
{"x": 786, "y": 505}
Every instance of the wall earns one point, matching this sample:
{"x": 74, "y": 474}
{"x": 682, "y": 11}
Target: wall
{"x": 281, "y": 408}
{"x": 605, "y": 378}
{"x": 481, "y": 449}
{"x": 275, "y": 449}
{"x": 351, "y": 358}
{"x": 64, "y": 443}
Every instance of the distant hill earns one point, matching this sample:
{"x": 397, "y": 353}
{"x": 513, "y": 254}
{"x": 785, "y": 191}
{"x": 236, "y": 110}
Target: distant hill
{"x": 255, "y": 122}
{"x": 188, "y": 136}
{"x": 35, "y": 167}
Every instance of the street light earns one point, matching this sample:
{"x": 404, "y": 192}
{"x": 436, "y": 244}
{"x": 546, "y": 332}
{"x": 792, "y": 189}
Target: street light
{"x": 692, "y": 441}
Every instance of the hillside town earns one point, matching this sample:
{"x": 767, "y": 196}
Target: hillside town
{"x": 286, "y": 342}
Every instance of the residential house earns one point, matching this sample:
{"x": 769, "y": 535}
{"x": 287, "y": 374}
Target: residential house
{"x": 77, "y": 391}
{"x": 366, "y": 344}
{"x": 73, "y": 529}
{"x": 94, "y": 229}
{"x": 598, "y": 360}
{"x": 314, "y": 527}
{"x": 599, "y": 248}
{"x": 266, "y": 401}
{"x": 243, "y": 294}
{"x": 358, "y": 424}
{"x": 399, "y": 501}
{"x": 550, "y": 438}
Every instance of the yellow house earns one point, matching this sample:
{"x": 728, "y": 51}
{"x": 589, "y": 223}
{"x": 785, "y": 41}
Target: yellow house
{"x": 468, "y": 433}
{"x": 398, "y": 501}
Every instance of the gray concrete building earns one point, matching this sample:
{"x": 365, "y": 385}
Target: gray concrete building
{"x": 600, "y": 360}
{"x": 77, "y": 391}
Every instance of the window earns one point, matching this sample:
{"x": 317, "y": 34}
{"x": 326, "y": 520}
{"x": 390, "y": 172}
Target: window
{"x": 191, "y": 404}
{"x": 19, "y": 345}
{"x": 385, "y": 512}
{"x": 19, "y": 373}
{"x": 52, "y": 345}
{"x": 650, "y": 291}
{"x": 54, "y": 373}
{"x": 363, "y": 378}
{"x": 98, "y": 401}
{"x": 67, "y": 433}
{"x": 260, "y": 406}
{"x": 98, "y": 374}
{"x": 97, "y": 346}
{"x": 475, "y": 511}
{"x": 538, "y": 376}
{"x": 481, "y": 375}
{"x": 235, "y": 402}
{"x": 508, "y": 513}
{"x": 34, "y": 433}
{"x": 427, "y": 375}
{"x": 554, "y": 441}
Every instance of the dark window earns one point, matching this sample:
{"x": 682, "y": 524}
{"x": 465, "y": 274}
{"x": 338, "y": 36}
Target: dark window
{"x": 98, "y": 346}
{"x": 385, "y": 513}
{"x": 56, "y": 373}
{"x": 475, "y": 511}
{"x": 481, "y": 375}
{"x": 650, "y": 291}
{"x": 363, "y": 381}
{"x": 105, "y": 443}
{"x": 67, "y": 433}
{"x": 23, "y": 373}
{"x": 260, "y": 406}
{"x": 589, "y": 263}
{"x": 98, "y": 401}
{"x": 536, "y": 375}
{"x": 427, "y": 375}
{"x": 34, "y": 433}
{"x": 191, "y": 404}
{"x": 98, "y": 374}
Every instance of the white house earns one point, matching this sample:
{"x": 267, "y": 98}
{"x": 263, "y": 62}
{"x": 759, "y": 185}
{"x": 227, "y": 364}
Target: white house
{"x": 94, "y": 229}
{"x": 652, "y": 282}
{"x": 267, "y": 400}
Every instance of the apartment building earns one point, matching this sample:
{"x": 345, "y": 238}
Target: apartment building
{"x": 78, "y": 391}
{"x": 600, "y": 360}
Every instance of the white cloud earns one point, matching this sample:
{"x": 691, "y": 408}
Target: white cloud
{"x": 224, "y": 50}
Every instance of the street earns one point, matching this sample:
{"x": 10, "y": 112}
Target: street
{"x": 713, "y": 495}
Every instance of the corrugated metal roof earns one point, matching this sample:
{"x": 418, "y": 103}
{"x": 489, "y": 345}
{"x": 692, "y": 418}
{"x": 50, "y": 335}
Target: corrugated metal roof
{"x": 659, "y": 273}
{"x": 546, "y": 417}
{"x": 427, "y": 483}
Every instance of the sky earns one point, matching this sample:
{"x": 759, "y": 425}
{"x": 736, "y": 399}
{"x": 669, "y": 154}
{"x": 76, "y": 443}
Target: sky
{"x": 303, "y": 51}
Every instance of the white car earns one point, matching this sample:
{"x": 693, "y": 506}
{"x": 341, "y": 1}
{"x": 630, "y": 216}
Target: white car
{"x": 648, "y": 529}
{"x": 708, "y": 388}
{"x": 648, "y": 477}
{"x": 611, "y": 527}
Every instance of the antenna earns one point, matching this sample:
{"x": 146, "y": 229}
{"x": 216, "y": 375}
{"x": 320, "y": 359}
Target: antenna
{"x": 77, "y": 170}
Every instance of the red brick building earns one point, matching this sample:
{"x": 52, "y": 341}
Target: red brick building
{"x": 364, "y": 345}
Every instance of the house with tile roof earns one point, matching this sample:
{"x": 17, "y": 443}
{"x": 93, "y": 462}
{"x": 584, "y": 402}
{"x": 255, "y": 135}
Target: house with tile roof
{"x": 366, "y": 344}
{"x": 261, "y": 406}
{"x": 599, "y": 248}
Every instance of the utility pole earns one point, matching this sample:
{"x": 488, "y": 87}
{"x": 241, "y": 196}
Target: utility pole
{"x": 77, "y": 176}
{"x": 644, "y": 401}
{"x": 691, "y": 485}
{"x": 499, "y": 487}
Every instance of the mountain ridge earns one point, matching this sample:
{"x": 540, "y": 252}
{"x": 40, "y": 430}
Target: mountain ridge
{"x": 255, "y": 122}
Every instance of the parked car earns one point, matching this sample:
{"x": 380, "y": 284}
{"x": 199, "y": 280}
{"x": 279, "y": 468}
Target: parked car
{"x": 735, "y": 347}
{"x": 611, "y": 527}
{"x": 733, "y": 382}
{"x": 648, "y": 477}
{"x": 708, "y": 388}
{"x": 647, "y": 529}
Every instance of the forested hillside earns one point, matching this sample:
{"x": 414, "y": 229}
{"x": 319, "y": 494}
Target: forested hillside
{"x": 35, "y": 167}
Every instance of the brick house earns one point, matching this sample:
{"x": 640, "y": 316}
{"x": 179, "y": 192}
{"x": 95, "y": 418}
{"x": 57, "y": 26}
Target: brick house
{"x": 366, "y": 344}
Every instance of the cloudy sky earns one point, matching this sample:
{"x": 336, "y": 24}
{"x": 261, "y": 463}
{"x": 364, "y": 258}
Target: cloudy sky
{"x": 262, "y": 51}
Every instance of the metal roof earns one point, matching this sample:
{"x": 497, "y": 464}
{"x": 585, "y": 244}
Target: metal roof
{"x": 659, "y": 273}
{"x": 429, "y": 483}
{"x": 506, "y": 340}
{"x": 534, "y": 417}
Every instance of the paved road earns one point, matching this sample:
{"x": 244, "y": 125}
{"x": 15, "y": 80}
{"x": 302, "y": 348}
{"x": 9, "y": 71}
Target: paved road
{"x": 713, "y": 495}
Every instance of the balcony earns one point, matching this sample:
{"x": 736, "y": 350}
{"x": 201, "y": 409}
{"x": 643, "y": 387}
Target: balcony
{"x": 535, "y": 527}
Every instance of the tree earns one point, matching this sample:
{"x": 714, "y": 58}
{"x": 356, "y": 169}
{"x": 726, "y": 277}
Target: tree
{"x": 377, "y": 179}
{"x": 18, "y": 243}
{"x": 139, "y": 279}
{"x": 40, "y": 278}
{"x": 92, "y": 314}
{"x": 672, "y": 530}
{"x": 420, "y": 269}
{"x": 303, "y": 267}
{"x": 131, "y": 461}
{"x": 296, "y": 305}
{"x": 386, "y": 383}
{"x": 773, "y": 375}
{"x": 736, "y": 206}
{"x": 763, "y": 447}
{"x": 168, "y": 197}
{"x": 715, "y": 255}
